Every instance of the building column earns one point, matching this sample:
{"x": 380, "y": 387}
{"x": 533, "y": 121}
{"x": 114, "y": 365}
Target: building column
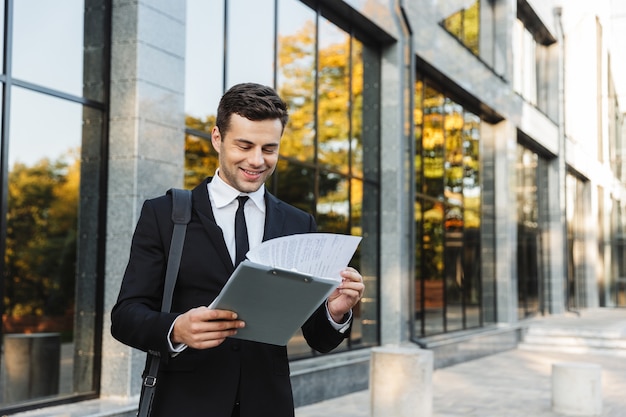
{"x": 146, "y": 149}
{"x": 499, "y": 228}
{"x": 396, "y": 216}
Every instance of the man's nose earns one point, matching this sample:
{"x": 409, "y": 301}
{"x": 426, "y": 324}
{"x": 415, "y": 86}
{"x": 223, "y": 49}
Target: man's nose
{"x": 255, "y": 157}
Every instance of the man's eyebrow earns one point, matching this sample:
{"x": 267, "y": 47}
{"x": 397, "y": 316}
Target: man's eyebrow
{"x": 249, "y": 142}
{"x": 243, "y": 141}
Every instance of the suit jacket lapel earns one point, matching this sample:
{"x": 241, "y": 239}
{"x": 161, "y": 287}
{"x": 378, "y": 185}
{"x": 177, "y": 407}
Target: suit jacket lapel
{"x": 202, "y": 207}
{"x": 274, "y": 217}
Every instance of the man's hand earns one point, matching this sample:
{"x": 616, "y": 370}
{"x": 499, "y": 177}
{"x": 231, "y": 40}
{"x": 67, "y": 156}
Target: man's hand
{"x": 347, "y": 295}
{"x": 203, "y": 328}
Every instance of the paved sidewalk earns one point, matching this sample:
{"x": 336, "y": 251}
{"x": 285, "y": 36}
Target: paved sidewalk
{"x": 515, "y": 383}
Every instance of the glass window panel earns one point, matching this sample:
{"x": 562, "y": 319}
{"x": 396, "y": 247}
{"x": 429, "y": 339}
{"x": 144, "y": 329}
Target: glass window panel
{"x": 525, "y": 68}
{"x": 248, "y": 61}
{"x": 41, "y": 246}
{"x": 417, "y": 211}
{"x": 201, "y": 160}
{"x": 433, "y": 143}
{"x": 295, "y": 184}
{"x": 471, "y": 27}
{"x": 204, "y": 57}
{"x": 471, "y": 268}
{"x": 447, "y": 214}
{"x": 471, "y": 169}
{"x": 48, "y": 43}
{"x": 333, "y": 112}
{"x": 453, "y": 129}
{"x": 296, "y": 77}
{"x": 418, "y": 118}
{"x": 433, "y": 264}
{"x": 453, "y": 267}
{"x": 333, "y": 205}
{"x": 526, "y": 229}
{"x": 356, "y": 207}
{"x": 464, "y": 24}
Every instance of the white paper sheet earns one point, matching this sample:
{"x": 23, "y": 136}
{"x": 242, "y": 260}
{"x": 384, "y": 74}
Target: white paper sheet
{"x": 318, "y": 254}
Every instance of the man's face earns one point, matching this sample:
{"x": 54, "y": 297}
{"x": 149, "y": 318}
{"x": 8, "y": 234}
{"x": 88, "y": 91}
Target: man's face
{"x": 248, "y": 152}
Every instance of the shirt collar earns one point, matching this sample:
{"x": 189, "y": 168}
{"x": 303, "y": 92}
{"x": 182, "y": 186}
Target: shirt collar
{"x": 223, "y": 194}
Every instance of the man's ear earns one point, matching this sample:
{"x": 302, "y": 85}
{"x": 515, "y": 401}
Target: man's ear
{"x": 216, "y": 138}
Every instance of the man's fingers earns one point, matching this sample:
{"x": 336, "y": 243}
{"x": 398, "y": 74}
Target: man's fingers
{"x": 207, "y": 314}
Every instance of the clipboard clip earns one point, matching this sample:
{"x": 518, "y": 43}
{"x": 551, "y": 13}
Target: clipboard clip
{"x": 292, "y": 273}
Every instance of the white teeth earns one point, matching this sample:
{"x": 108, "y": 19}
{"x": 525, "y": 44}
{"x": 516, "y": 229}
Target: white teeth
{"x": 251, "y": 172}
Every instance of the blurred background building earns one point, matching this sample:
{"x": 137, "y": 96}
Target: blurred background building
{"x": 476, "y": 145}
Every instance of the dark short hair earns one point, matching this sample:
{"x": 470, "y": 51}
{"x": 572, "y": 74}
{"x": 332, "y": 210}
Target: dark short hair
{"x": 254, "y": 102}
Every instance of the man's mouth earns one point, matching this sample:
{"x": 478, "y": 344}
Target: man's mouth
{"x": 252, "y": 173}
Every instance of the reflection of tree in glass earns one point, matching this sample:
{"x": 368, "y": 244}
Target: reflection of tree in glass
{"x": 464, "y": 25}
{"x": 339, "y": 92}
{"x": 200, "y": 157}
{"x": 296, "y": 85}
{"x": 40, "y": 258}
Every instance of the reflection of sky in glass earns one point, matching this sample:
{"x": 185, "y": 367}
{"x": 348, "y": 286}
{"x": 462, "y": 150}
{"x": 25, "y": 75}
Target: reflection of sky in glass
{"x": 204, "y": 56}
{"x": 292, "y": 15}
{"x": 48, "y": 43}
{"x": 330, "y": 34}
{"x": 250, "y": 42}
{"x": 47, "y": 50}
{"x": 42, "y": 126}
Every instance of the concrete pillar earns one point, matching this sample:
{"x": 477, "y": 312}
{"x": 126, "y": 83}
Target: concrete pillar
{"x": 401, "y": 381}
{"x": 146, "y": 149}
{"x": 577, "y": 389}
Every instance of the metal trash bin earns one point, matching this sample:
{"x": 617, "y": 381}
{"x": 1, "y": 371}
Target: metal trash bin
{"x": 33, "y": 364}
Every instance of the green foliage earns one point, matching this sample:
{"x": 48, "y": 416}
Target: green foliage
{"x": 40, "y": 257}
{"x": 201, "y": 160}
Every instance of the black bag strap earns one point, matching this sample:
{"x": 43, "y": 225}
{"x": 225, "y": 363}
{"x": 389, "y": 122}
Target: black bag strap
{"x": 181, "y": 215}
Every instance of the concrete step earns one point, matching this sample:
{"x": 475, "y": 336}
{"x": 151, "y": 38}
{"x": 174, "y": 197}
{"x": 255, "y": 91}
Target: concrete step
{"x": 579, "y": 350}
{"x": 574, "y": 340}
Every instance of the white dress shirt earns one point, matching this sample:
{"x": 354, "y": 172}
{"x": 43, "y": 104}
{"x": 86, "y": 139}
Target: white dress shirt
{"x": 224, "y": 203}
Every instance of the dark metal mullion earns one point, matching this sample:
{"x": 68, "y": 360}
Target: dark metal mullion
{"x": 275, "y": 72}
{"x": 275, "y": 176}
{"x": 350, "y": 129}
{"x": 55, "y": 93}
{"x": 225, "y": 46}
{"x": 4, "y": 139}
{"x": 422, "y": 282}
{"x": 445, "y": 206}
{"x": 317, "y": 173}
{"x": 464, "y": 289}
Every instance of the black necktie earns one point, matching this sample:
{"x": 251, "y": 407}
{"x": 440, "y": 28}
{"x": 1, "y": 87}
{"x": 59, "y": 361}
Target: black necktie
{"x": 241, "y": 231}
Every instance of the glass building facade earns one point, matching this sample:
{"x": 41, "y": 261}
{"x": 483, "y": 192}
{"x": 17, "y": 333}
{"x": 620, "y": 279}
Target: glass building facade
{"x": 437, "y": 131}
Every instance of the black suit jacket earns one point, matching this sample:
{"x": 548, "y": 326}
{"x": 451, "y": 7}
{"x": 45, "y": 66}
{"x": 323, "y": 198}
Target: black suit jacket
{"x": 206, "y": 382}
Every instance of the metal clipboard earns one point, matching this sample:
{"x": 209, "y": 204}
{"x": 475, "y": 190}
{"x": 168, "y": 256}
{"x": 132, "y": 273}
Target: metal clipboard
{"x": 273, "y": 302}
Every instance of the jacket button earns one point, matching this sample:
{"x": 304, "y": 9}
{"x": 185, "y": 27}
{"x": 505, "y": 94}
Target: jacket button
{"x": 236, "y": 347}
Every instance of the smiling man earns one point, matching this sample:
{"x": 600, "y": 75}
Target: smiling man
{"x": 204, "y": 372}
